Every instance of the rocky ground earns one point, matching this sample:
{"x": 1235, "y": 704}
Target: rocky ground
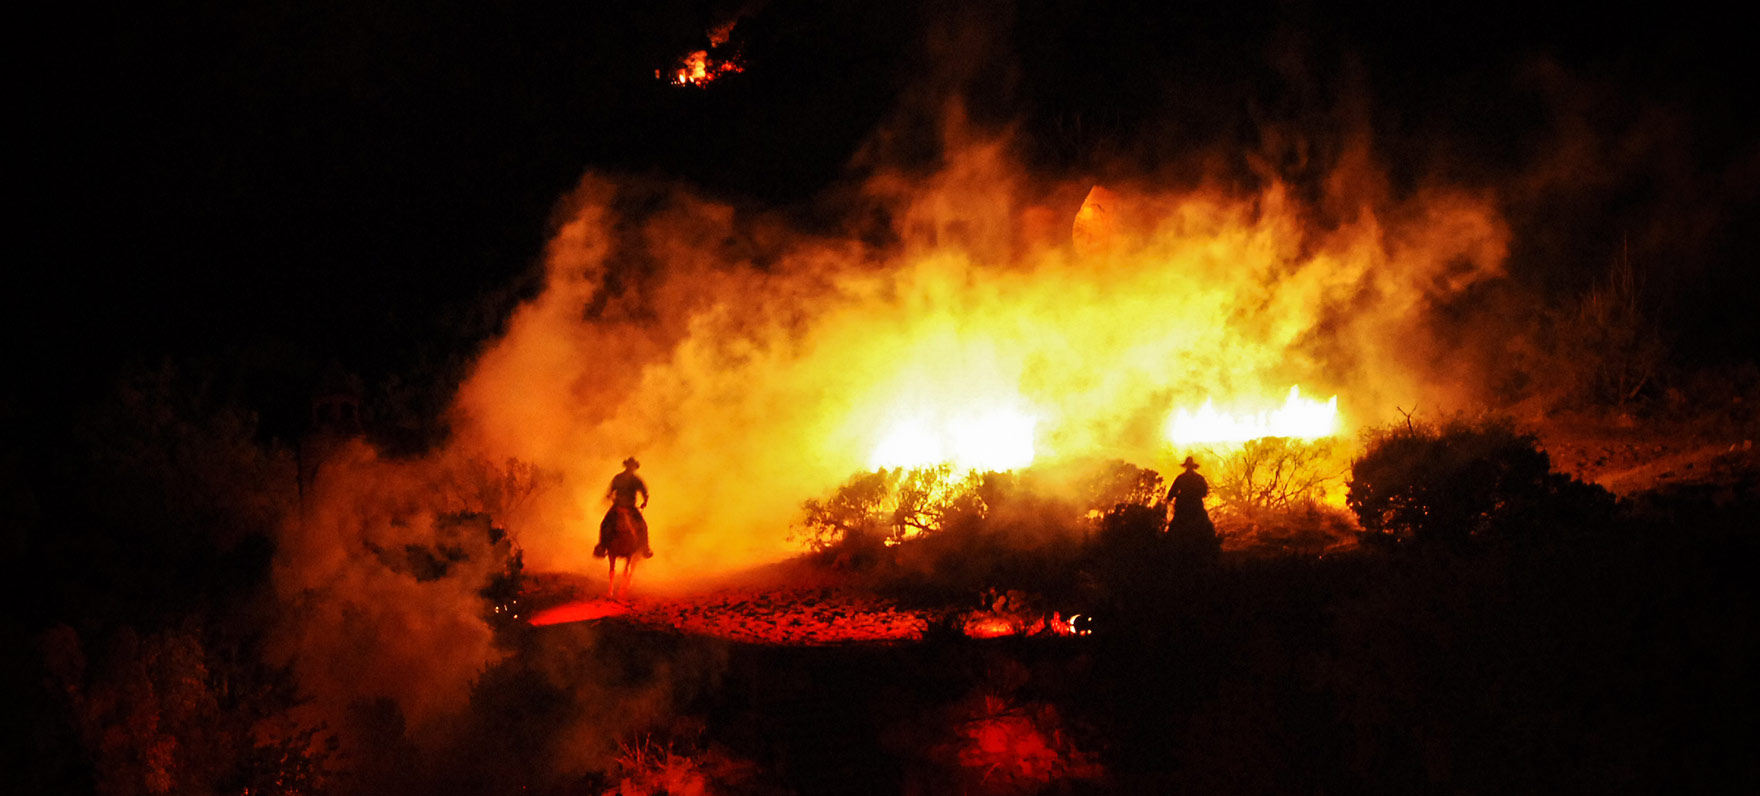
{"x": 762, "y": 610}
{"x": 1629, "y": 457}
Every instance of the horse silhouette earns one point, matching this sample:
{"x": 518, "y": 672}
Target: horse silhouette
{"x": 621, "y": 536}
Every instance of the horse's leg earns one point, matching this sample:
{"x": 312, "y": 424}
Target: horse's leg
{"x": 614, "y": 592}
{"x": 629, "y": 566}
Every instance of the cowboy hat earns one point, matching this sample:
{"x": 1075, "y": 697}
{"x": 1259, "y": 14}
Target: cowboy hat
{"x": 631, "y": 462}
{"x": 1190, "y": 463}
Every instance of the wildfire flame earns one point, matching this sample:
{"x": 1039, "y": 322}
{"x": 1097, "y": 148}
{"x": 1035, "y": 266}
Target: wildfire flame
{"x": 1299, "y": 417}
{"x": 996, "y": 439}
{"x": 699, "y": 68}
{"x": 1005, "y": 326}
{"x": 1001, "y": 439}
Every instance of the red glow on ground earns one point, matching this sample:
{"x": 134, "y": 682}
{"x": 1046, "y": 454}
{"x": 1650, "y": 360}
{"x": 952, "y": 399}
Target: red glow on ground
{"x": 794, "y": 617}
{"x": 1009, "y": 744}
{"x": 1010, "y": 747}
{"x": 789, "y": 616}
{"x": 580, "y": 611}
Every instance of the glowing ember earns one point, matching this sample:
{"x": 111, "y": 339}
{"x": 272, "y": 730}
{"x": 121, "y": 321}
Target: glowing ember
{"x": 1299, "y": 417}
{"x": 1000, "y": 439}
{"x": 991, "y": 626}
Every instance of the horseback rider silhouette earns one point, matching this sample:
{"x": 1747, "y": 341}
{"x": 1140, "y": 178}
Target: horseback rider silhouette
{"x": 624, "y": 531}
{"x": 1187, "y": 493}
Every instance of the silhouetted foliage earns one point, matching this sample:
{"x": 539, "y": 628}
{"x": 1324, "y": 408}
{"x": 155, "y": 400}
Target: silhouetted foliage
{"x": 1603, "y": 350}
{"x": 1464, "y": 479}
{"x": 681, "y": 763}
{"x": 1608, "y": 346}
{"x": 1132, "y": 524}
{"x": 887, "y": 506}
{"x": 1278, "y": 474}
{"x": 1116, "y": 484}
{"x": 495, "y": 490}
{"x": 174, "y": 712}
{"x": 163, "y": 480}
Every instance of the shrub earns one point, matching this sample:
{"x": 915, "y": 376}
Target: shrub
{"x": 889, "y": 506}
{"x": 1272, "y": 494}
{"x": 660, "y": 768}
{"x": 1464, "y": 479}
{"x": 1602, "y": 350}
{"x": 1610, "y": 346}
{"x": 187, "y": 709}
{"x": 1278, "y": 474}
{"x": 1115, "y": 486}
{"x": 1310, "y": 529}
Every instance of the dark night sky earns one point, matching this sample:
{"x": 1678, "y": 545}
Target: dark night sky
{"x": 348, "y": 180}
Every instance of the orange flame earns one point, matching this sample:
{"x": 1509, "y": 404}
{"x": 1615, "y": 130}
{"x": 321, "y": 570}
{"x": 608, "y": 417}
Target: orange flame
{"x": 699, "y": 68}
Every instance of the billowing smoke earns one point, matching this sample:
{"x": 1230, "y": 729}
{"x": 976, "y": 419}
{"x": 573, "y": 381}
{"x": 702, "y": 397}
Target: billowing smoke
{"x": 381, "y": 575}
{"x": 750, "y": 367}
{"x": 751, "y": 362}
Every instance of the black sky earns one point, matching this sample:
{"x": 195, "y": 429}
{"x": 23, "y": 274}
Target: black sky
{"x": 350, "y": 180}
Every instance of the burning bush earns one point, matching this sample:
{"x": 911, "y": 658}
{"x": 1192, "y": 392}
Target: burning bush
{"x": 1279, "y": 474}
{"x": 1273, "y": 495}
{"x": 888, "y": 506}
{"x": 976, "y": 531}
{"x": 1463, "y": 479}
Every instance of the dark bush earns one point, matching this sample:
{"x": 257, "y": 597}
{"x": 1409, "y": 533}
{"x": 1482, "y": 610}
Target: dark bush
{"x": 1464, "y": 479}
{"x": 888, "y": 506}
{"x": 189, "y": 709}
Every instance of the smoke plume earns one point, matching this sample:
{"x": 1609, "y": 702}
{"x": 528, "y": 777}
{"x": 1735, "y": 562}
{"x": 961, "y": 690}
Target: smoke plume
{"x": 749, "y": 366}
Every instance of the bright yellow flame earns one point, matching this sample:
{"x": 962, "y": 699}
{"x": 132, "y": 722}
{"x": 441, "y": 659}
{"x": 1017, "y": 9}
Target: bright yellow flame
{"x": 995, "y": 439}
{"x": 1299, "y": 417}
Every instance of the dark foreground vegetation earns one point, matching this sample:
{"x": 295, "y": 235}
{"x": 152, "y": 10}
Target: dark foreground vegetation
{"x": 1476, "y": 622}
